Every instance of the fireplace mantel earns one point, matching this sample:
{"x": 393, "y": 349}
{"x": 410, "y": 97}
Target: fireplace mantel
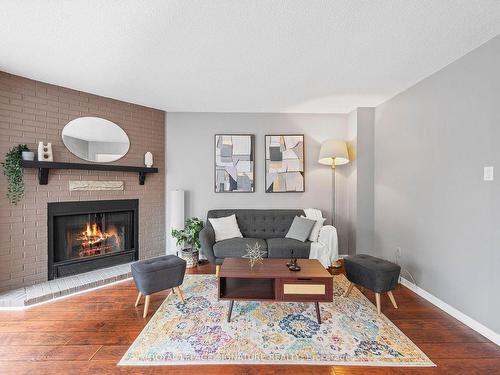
{"x": 45, "y": 166}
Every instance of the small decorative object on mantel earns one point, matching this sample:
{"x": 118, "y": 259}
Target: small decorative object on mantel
{"x": 293, "y": 265}
{"x": 14, "y": 172}
{"x": 189, "y": 237}
{"x": 45, "y": 151}
{"x": 95, "y": 185}
{"x": 148, "y": 159}
{"x": 28, "y": 155}
{"x": 254, "y": 254}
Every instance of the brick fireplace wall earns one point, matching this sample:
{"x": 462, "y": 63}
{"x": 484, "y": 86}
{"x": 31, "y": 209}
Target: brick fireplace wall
{"x": 32, "y": 111}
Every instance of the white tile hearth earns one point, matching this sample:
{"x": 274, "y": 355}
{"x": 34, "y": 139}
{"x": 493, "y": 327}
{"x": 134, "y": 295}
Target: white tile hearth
{"x": 48, "y": 290}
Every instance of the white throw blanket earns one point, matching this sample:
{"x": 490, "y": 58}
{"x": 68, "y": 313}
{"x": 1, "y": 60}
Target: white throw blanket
{"x": 313, "y": 213}
{"x": 326, "y": 250}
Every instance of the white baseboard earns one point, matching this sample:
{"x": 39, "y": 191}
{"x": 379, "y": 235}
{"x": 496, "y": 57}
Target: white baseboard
{"x": 465, "y": 319}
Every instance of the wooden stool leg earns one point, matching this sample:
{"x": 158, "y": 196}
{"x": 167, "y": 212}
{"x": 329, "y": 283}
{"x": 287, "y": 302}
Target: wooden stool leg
{"x": 377, "y": 298}
{"x": 349, "y": 289}
{"x": 146, "y": 307}
{"x": 217, "y": 270}
{"x": 180, "y": 294}
{"x": 389, "y": 293}
{"x": 138, "y": 299}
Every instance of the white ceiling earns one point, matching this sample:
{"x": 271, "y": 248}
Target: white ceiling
{"x": 306, "y": 56}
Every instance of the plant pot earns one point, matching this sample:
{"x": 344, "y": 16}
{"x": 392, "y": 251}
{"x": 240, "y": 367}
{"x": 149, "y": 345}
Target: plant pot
{"x": 28, "y": 155}
{"x": 191, "y": 256}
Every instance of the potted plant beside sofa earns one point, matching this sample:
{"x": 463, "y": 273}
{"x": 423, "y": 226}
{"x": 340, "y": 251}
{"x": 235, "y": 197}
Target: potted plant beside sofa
{"x": 189, "y": 239}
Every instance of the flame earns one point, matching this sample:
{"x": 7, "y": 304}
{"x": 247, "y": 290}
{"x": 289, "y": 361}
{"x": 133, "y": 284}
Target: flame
{"x": 93, "y": 240}
{"x": 93, "y": 234}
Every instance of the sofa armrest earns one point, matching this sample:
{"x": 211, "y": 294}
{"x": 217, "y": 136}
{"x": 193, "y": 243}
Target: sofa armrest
{"x": 207, "y": 241}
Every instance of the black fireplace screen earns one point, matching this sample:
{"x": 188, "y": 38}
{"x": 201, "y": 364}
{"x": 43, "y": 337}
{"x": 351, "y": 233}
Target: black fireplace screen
{"x": 87, "y": 235}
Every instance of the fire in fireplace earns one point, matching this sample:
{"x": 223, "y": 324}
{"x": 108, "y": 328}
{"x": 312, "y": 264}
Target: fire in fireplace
{"x": 88, "y": 235}
{"x": 96, "y": 241}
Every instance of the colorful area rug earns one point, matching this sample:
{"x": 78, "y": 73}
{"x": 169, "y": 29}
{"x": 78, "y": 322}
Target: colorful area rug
{"x": 197, "y": 332}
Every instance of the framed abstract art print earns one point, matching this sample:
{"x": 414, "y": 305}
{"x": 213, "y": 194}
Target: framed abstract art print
{"x": 234, "y": 163}
{"x": 285, "y": 163}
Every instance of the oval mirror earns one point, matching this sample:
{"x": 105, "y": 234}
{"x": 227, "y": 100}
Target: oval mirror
{"x": 95, "y": 139}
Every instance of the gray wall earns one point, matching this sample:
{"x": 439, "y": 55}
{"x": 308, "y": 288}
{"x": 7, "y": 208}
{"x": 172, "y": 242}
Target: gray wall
{"x": 365, "y": 215}
{"x": 351, "y": 175}
{"x": 431, "y": 144}
{"x": 357, "y": 180}
{"x": 189, "y": 154}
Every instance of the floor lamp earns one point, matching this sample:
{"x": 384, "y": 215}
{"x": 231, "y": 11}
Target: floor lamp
{"x": 333, "y": 152}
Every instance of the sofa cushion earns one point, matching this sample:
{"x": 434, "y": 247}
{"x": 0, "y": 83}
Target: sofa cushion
{"x": 237, "y": 247}
{"x": 280, "y": 248}
{"x": 259, "y": 223}
{"x": 225, "y": 228}
{"x": 314, "y": 235}
{"x": 301, "y": 228}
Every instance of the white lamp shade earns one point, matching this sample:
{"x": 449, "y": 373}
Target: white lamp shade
{"x": 333, "y": 151}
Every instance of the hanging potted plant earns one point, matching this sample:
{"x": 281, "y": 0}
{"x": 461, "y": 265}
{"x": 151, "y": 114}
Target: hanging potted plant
{"x": 189, "y": 239}
{"x": 14, "y": 172}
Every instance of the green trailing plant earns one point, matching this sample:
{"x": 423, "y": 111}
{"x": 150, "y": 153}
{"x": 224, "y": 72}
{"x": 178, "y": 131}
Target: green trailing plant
{"x": 190, "y": 235}
{"x": 14, "y": 172}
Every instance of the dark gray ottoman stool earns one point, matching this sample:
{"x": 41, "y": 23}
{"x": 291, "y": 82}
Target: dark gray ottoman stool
{"x": 376, "y": 274}
{"x": 156, "y": 274}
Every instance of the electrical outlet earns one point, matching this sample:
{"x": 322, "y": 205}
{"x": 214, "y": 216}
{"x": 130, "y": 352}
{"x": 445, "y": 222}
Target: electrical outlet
{"x": 488, "y": 174}
{"x": 398, "y": 252}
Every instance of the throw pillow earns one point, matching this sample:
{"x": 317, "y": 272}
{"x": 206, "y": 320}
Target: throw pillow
{"x": 313, "y": 237}
{"x": 300, "y": 228}
{"x": 225, "y": 228}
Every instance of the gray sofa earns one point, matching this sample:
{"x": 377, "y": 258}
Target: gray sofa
{"x": 266, "y": 227}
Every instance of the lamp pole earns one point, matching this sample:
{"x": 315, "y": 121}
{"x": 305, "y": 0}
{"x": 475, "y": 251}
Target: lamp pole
{"x": 333, "y": 191}
{"x": 330, "y": 151}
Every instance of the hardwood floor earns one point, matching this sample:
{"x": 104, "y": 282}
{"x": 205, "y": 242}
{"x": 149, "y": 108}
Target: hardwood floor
{"x": 89, "y": 333}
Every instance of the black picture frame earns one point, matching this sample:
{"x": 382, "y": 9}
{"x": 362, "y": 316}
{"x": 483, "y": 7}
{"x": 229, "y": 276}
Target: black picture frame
{"x": 252, "y": 159}
{"x": 303, "y": 162}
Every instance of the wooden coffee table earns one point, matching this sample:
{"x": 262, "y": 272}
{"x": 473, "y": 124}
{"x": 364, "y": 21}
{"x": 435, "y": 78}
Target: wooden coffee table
{"x": 272, "y": 281}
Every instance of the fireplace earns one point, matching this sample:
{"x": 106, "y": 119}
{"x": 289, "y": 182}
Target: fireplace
{"x": 87, "y": 235}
